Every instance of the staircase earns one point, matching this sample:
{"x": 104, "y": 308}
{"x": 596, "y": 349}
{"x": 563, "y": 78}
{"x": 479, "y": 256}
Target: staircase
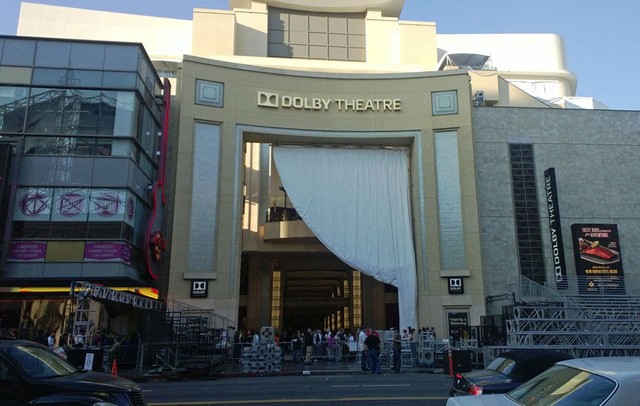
{"x": 584, "y": 326}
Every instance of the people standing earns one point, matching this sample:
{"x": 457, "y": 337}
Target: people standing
{"x": 373, "y": 349}
{"x": 308, "y": 345}
{"x": 362, "y": 336}
{"x": 296, "y": 345}
{"x": 397, "y": 347}
{"x": 51, "y": 340}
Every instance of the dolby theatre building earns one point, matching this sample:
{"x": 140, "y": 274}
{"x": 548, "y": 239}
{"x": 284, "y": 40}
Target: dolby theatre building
{"x": 330, "y": 165}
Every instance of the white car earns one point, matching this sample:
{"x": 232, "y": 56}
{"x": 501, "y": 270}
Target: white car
{"x": 610, "y": 381}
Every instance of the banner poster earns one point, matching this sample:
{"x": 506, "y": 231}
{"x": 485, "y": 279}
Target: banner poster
{"x": 33, "y": 204}
{"x": 70, "y": 204}
{"x": 107, "y": 251}
{"x": 34, "y": 251}
{"x": 107, "y": 205}
{"x": 555, "y": 230}
{"x": 598, "y": 259}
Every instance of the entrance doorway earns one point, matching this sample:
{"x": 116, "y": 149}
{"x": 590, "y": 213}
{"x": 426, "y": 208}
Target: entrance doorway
{"x": 293, "y": 292}
{"x": 317, "y": 299}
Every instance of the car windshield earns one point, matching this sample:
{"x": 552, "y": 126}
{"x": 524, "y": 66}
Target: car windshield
{"x": 39, "y": 362}
{"x": 502, "y": 365}
{"x": 572, "y": 386}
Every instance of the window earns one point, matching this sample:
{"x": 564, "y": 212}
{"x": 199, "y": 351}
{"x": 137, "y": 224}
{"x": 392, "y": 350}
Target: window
{"x": 527, "y": 215}
{"x": 13, "y": 106}
{"x": 308, "y": 35}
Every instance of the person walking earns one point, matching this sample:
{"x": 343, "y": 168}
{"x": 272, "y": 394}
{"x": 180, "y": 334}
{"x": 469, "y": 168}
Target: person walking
{"x": 373, "y": 349}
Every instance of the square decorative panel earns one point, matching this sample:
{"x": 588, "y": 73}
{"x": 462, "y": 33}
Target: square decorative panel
{"x": 444, "y": 103}
{"x": 209, "y": 93}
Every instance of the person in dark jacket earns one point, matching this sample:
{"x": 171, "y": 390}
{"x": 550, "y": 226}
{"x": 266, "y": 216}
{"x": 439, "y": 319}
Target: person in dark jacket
{"x": 373, "y": 349}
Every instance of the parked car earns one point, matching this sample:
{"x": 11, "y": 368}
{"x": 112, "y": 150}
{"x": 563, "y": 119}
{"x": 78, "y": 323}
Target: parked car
{"x": 603, "y": 381}
{"x": 30, "y": 373}
{"x": 506, "y": 372}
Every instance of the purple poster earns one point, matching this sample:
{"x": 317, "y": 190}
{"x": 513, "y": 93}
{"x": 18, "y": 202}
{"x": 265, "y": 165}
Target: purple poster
{"x": 107, "y": 251}
{"x": 27, "y": 251}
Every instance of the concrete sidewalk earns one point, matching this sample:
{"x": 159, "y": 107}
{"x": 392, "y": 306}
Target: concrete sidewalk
{"x": 232, "y": 369}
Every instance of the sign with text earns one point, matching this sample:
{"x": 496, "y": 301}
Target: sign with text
{"x": 555, "y": 229}
{"x": 276, "y": 100}
{"x": 456, "y": 286}
{"x": 199, "y": 289}
{"x": 27, "y": 251}
{"x": 598, "y": 260}
{"x": 107, "y": 251}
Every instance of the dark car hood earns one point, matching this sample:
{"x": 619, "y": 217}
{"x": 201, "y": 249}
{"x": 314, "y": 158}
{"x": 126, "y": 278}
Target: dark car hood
{"x": 91, "y": 382}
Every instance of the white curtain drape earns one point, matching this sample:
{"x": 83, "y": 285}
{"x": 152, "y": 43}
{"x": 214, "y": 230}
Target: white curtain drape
{"x": 356, "y": 201}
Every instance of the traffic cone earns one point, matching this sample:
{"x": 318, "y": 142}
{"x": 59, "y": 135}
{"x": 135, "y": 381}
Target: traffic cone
{"x": 114, "y": 368}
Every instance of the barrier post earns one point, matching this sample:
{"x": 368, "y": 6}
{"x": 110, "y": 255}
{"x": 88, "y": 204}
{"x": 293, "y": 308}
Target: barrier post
{"x": 450, "y": 363}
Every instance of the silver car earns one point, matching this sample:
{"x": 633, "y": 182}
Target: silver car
{"x": 611, "y": 381}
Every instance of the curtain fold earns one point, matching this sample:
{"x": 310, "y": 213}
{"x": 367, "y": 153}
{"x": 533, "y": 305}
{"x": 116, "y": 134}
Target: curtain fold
{"x": 356, "y": 201}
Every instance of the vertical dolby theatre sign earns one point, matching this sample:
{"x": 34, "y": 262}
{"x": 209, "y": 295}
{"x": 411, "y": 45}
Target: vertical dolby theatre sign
{"x": 279, "y": 101}
{"x": 555, "y": 229}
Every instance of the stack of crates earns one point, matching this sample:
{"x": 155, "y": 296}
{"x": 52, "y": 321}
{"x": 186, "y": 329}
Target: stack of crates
{"x": 263, "y": 356}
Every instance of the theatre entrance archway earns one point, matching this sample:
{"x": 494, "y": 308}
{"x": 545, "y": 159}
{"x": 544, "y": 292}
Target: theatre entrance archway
{"x": 296, "y": 291}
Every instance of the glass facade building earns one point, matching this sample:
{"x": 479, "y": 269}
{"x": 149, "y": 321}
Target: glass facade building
{"x": 81, "y": 128}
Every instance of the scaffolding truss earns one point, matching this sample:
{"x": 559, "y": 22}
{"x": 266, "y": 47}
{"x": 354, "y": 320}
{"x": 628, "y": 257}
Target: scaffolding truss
{"x": 582, "y": 326}
{"x": 86, "y": 293}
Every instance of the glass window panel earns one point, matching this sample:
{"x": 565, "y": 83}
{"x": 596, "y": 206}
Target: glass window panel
{"x": 87, "y": 56}
{"x": 83, "y": 112}
{"x": 50, "y": 77}
{"x": 84, "y": 78}
{"x": 15, "y": 75}
{"x": 120, "y": 147}
{"x": 53, "y": 54}
{"x": 149, "y": 133}
{"x": 119, "y": 80}
{"x": 37, "y": 145}
{"x": 118, "y": 114}
{"x": 13, "y": 108}
{"x": 59, "y": 111}
{"x": 104, "y": 147}
{"x": 84, "y": 146}
{"x": 452, "y": 248}
{"x": 18, "y": 52}
{"x": 121, "y": 57}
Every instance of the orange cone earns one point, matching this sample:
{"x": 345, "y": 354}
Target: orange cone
{"x": 114, "y": 368}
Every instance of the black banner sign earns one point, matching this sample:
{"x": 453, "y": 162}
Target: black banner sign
{"x": 596, "y": 249}
{"x": 555, "y": 229}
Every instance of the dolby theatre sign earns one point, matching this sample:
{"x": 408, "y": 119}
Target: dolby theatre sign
{"x": 275, "y": 101}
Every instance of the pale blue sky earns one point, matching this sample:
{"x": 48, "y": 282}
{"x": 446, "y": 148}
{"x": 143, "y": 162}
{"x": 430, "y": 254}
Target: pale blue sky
{"x": 601, "y": 38}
